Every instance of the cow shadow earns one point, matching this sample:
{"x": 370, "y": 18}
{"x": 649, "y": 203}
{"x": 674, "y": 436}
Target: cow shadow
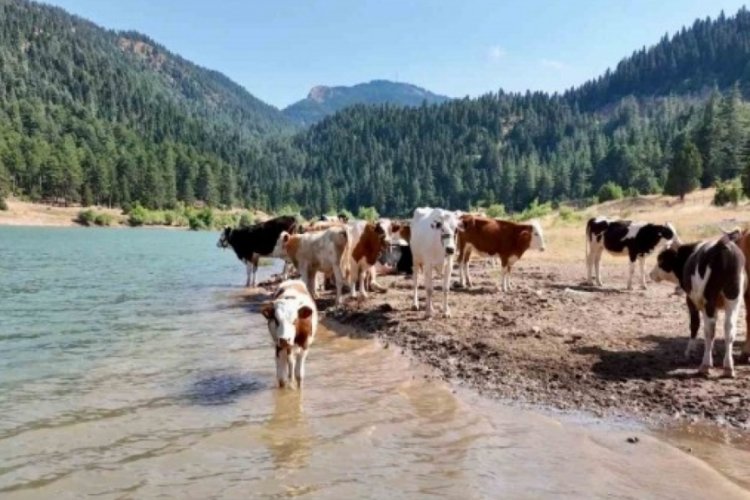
{"x": 586, "y": 288}
{"x": 221, "y": 388}
{"x": 659, "y": 362}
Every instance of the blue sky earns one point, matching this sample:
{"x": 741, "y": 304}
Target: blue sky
{"x": 279, "y": 49}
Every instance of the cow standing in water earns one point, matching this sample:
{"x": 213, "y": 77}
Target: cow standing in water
{"x": 623, "y": 237}
{"x": 292, "y": 322}
{"x": 250, "y": 243}
{"x": 712, "y": 274}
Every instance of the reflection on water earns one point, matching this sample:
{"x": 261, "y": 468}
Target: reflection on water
{"x": 150, "y": 375}
{"x": 287, "y": 432}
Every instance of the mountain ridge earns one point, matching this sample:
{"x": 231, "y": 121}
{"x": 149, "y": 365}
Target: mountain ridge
{"x": 325, "y": 100}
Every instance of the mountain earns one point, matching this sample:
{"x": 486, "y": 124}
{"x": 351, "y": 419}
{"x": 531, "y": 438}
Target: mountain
{"x": 99, "y": 115}
{"x": 93, "y": 115}
{"x": 627, "y": 127}
{"x": 323, "y": 101}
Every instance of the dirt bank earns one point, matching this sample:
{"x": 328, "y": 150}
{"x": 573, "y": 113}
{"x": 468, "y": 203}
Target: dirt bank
{"x": 556, "y": 343}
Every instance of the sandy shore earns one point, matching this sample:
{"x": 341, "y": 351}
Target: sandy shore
{"x": 556, "y": 343}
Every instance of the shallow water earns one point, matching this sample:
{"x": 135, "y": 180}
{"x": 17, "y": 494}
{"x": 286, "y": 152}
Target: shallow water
{"x": 132, "y": 365}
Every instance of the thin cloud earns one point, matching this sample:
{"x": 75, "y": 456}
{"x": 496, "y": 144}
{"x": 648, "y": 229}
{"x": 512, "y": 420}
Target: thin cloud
{"x": 496, "y": 53}
{"x": 552, "y": 64}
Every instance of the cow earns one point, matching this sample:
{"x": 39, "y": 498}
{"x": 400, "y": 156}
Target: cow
{"x": 743, "y": 241}
{"x": 365, "y": 252}
{"x": 623, "y": 237}
{"x": 433, "y": 244}
{"x": 323, "y": 251}
{"x": 250, "y": 243}
{"x": 504, "y": 239}
{"x": 712, "y": 274}
{"x": 292, "y": 322}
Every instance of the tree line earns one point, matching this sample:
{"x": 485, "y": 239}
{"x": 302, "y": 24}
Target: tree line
{"x": 97, "y": 117}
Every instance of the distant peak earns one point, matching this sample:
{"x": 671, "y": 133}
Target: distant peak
{"x": 318, "y": 93}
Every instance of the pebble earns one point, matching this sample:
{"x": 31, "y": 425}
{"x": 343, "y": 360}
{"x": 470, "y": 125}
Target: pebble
{"x": 633, "y": 440}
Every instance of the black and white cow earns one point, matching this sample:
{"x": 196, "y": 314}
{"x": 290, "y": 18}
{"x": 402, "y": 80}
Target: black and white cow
{"x": 251, "y": 243}
{"x": 623, "y": 237}
{"x": 712, "y": 274}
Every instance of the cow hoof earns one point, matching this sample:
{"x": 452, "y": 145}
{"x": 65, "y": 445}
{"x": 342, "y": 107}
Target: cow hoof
{"x": 447, "y": 315}
{"x": 728, "y": 373}
{"x": 704, "y": 370}
{"x": 644, "y": 287}
{"x": 415, "y": 307}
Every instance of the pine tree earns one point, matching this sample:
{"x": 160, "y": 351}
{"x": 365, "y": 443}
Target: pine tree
{"x": 686, "y": 168}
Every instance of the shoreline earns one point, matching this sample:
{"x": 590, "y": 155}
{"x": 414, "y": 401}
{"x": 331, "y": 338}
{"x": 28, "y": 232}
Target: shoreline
{"x": 537, "y": 347}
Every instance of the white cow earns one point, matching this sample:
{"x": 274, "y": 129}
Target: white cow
{"x": 326, "y": 251}
{"x": 292, "y": 322}
{"x": 433, "y": 245}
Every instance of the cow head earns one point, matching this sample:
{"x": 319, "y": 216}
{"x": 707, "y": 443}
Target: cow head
{"x": 224, "y": 238}
{"x": 666, "y": 266}
{"x": 281, "y": 243}
{"x": 668, "y": 234}
{"x": 537, "y": 236}
{"x": 448, "y": 224}
{"x": 282, "y": 316}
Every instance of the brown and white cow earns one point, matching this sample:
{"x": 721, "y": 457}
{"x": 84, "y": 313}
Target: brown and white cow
{"x": 324, "y": 251}
{"x": 744, "y": 243}
{"x": 368, "y": 247}
{"x": 494, "y": 237}
{"x": 292, "y": 322}
{"x": 712, "y": 274}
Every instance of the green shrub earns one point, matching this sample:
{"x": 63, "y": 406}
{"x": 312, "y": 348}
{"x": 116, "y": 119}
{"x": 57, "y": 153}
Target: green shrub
{"x": 609, "y": 191}
{"x": 224, "y": 219}
{"x": 728, "y": 192}
{"x": 103, "y": 219}
{"x": 567, "y": 214}
{"x": 496, "y": 211}
{"x": 246, "y": 219}
{"x": 368, "y": 214}
{"x": 534, "y": 211}
{"x": 202, "y": 219}
{"x": 86, "y": 217}
{"x": 3, "y": 204}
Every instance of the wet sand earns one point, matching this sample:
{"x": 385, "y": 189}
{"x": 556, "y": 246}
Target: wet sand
{"x": 555, "y": 343}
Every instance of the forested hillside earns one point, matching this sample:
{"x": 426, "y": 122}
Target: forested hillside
{"x": 323, "y": 101}
{"x": 106, "y": 117}
{"x": 101, "y": 116}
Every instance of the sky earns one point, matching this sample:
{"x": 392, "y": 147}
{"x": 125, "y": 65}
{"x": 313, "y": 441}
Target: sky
{"x": 279, "y": 49}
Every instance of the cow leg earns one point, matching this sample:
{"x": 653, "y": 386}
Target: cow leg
{"x": 290, "y": 365}
{"x": 255, "y": 260}
{"x": 590, "y": 255}
{"x": 642, "y": 263}
{"x": 695, "y": 323}
{"x": 731, "y": 313}
{"x": 374, "y": 285}
{"x": 362, "y": 287}
{"x": 353, "y": 277}
{"x": 249, "y": 266}
{"x": 300, "y": 367}
{"x": 709, "y": 328}
{"x": 281, "y": 366}
{"x": 338, "y": 275}
{"x": 428, "y": 288}
{"x": 746, "y": 348}
{"x": 415, "y": 275}
{"x": 631, "y": 272}
{"x": 598, "y": 266}
{"x": 447, "y": 266}
{"x": 507, "y": 277}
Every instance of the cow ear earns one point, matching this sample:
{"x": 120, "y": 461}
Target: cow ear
{"x": 304, "y": 312}
{"x": 285, "y": 238}
{"x": 526, "y": 235}
{"x": 267, "y": 310}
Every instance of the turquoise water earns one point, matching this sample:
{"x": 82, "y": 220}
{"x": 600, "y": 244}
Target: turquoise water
{"x": 133, "y": 365}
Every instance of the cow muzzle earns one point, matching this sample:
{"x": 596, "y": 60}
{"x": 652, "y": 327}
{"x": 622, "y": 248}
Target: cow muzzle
{"x": 450, "y": 250}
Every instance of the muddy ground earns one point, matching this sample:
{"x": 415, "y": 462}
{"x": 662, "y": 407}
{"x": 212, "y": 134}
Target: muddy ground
{"x": 554, "y": 342}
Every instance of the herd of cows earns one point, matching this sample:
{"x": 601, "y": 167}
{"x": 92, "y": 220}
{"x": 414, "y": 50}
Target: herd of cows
{"x": 711, "y": 273}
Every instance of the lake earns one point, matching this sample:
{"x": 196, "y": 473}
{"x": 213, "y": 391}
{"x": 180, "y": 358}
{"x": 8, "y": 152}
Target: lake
{"x": 133, "y": 364}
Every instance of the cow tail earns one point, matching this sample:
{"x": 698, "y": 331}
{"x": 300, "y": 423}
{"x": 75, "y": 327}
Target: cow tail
{"x": 588, "y": 240}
